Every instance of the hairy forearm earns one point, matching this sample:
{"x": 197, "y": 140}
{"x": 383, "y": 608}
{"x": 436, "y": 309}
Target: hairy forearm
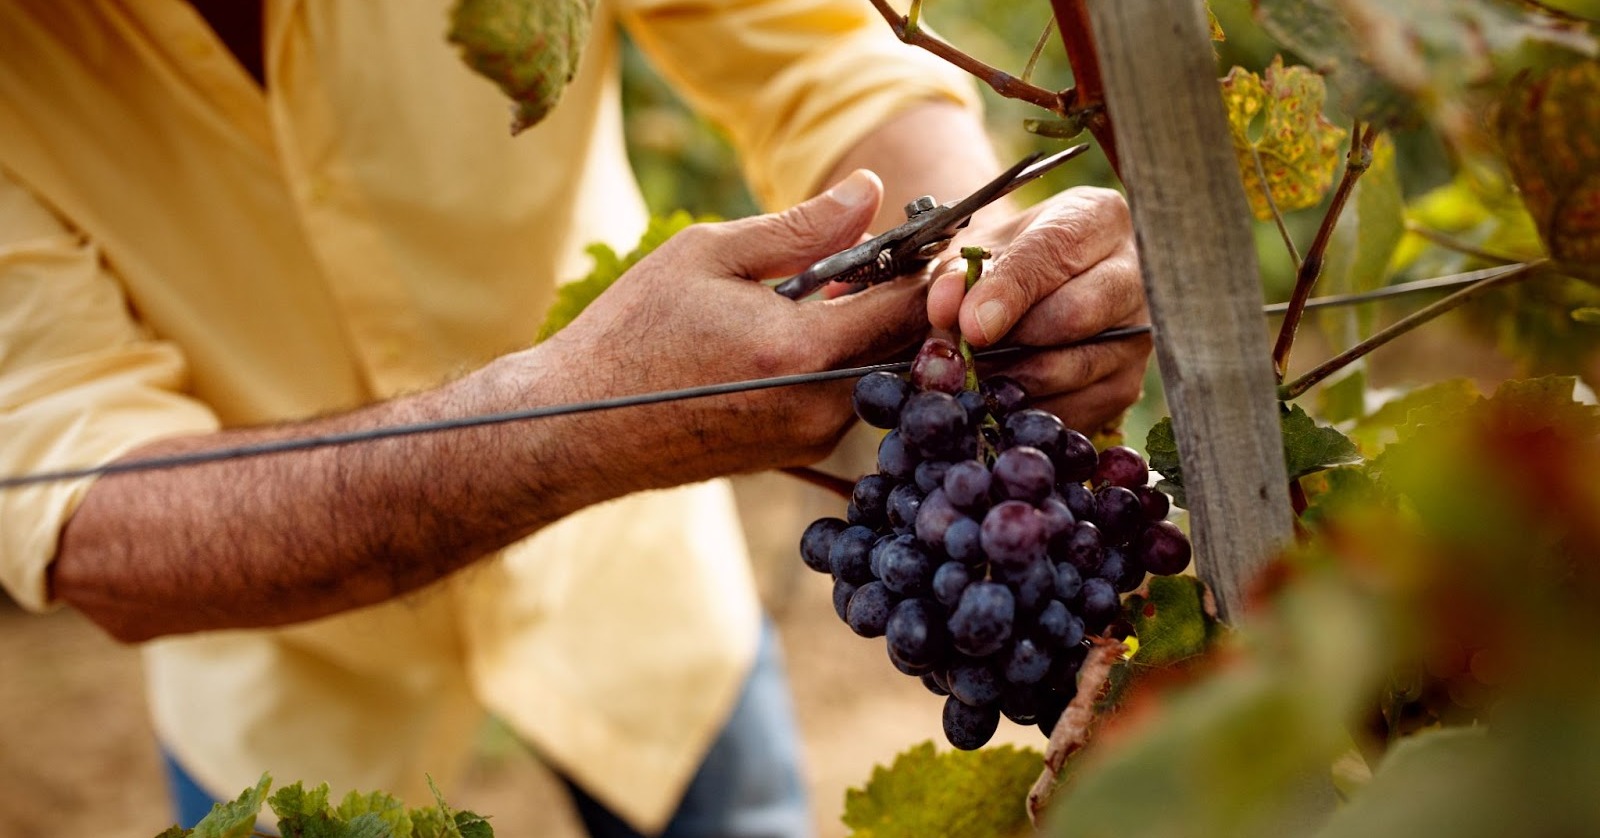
{"x": 286, "y": 537}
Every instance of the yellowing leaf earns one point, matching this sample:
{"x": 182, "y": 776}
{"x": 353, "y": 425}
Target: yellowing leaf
{"x": 1549, "y": 127}
{"x": 1297, "y": 147}
{"x": 975, "y": 794}
{"x": 529, "y": 48}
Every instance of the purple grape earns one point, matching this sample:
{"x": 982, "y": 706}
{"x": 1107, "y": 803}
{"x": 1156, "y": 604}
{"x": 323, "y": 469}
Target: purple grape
{"x": 1084, "y": 548}
{"x": 916, "y": 632}
{"x": 1058, "y": 520}
{"x": 1013, "y": 534}
{"x": 906, "y": 568}
{"x": 1063, "y": 677}
{"x": 967, "y": 484}
{"x": 1122, "y": 466}
{"x": 1097, "y": 603}
{"x": 878, "y": 398}
{"x": 974, "y": 684}
{"x": 949, "y": 581}
{"x": 1050, "y": 713}
{"x": 1163, "y": 549}
{"x": 977, "y": 408}
{"x": 935, "y": 516}
{"x": 842, "y": 591}
{"x": 1003, "y": 395}
{"x": 817, "y": 540}
{"x": 969, "y": 728}
{"x": 904, "y": 501}
{"x": 914, "y": 670}
{"x": 1020, "y": 704}
{"x": 1036, "y": 429}
{"x": 879, "y": 547}
{"x": 1059, "y": 627}
{"x": 983, "y": 619}
{"x": 935, "y": 425}
{"x": 930, "y": 475}
{"x": 895, "y": 458}
{"x": 868, "y": 610}
{"x": 1034, "y": 586}
{"x": 1079, "y": 500}
{"x": 1075, "y": 459}
{"x": 939, "y": 367}
{"x": 871, "y": 499}
{"x": 1024, "y": 473}
{"x": 1121, "y": 570}
{"x": 1155, "y": 504}
{"x": 1027, "y": 664}
{"x": 931, "y": 681}
{"x": 963, "y": 541}
{"x": 1118, "y": 514}
{"x": 1068, "y": 582}
{"x": 849, "y": 558}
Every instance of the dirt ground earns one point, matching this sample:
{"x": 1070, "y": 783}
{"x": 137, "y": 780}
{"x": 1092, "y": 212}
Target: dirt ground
{"x": 77, "y": 759}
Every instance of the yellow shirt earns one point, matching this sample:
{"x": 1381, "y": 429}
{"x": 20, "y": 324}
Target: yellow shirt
{"x": 180, "y": 251}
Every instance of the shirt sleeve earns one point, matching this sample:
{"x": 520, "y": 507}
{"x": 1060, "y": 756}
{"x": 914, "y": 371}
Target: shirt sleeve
{"x": 795, "y": 83}
{"x": 80, "y": 382}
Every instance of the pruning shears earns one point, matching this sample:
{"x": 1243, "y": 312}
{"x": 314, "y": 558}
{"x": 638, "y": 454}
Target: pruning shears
{"x": 928, "y": 229}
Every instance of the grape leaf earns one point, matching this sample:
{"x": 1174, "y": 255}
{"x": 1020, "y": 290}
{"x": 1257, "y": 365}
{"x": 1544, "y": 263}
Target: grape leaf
{"x": 1171, "y": 621}
{"x": 1297, "y": 146}
{"x": 1381, "y": 427}
{"x": 380, "y": 804}
{"x": 1161, "y": 452}
{"x": 473, "y": 825}
{"x": 530, "y": 49}
{"x": 976, "y": 794}
{"x": 235, "y": 819}
{"x": 573, "y": 297}
{"x": 1319, "y": 33}
{"x": 305, "y": 814}
{"x": 175, "y": 831}
{"x": 1307, "y": 449}
{"x": 1433, "y": 783}
{"x": 1547, "y": 124}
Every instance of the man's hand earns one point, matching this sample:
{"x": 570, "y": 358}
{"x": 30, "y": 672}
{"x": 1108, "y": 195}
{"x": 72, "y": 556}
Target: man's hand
{"x": 1063, "y": 270}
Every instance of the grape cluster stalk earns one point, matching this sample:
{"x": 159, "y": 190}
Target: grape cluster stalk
{"x": 989, "y": 544}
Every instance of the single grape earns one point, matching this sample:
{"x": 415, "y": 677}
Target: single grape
{"x": 975, "y": 683}
{"x": 1027, "y": 664}
{"x": 817, "y": 540}
{"x": 878, "y": 398}
{"x": 1024, "y": 473}
{"x": 875, "y": 556}
{"x": 1050, "y": 712}
{"x": 941, "y": 679}
{"x": 916, "y": 632}
{"x": 871, "y": 499}
{"x": 1163, "y": 549}
{"x": 1112, "y": 567}
{"x": 895, "y": 458}
{"x": 1079, "y": 500}
{"x": 1075, "y": 459}
{"x": 1034, "y": 428}
{"x": 969, "y": 728}
{"x": 935, "y": 425}
{"x": 982, "y": 621}
{"x": 1097, "y": 603}
{"x": 1013, "y": 534}
{"x": 1118, "y": 513}
{"x": 931, "y": 681}
{"x": 935, "y": 516}
{"x": 1154, "y": 502}
{"x": 930, "y": 474}
{"x": 906, "y": 568}
{"x": 1063, "y": 677}
{"x": 1122, "y": 466}
{"x": 1083, "y": 549}
{"x": 849, "y": 558}
{"x": 1021, "y": 704}
{"x": 949, "y": 581}
{"x": 904, "y": 501}
{"x": 967, "y": 485}
{"x": 842, "y": 591}
{"x": 977, "y": 408}
{"x": 1058, "y": 520}
{"x": 1132, "y": 575}
{"x": 1034, "y": 586}
{"x": 1059, "y": 627}
{"x": 868, "y": 611}
{"x": 1003, "y": 395}
{"x": 939, "y": 366}
{"x": 963, "y": 541}
{"x": 914, "y": 670}
{"x": 1068, "y": 582}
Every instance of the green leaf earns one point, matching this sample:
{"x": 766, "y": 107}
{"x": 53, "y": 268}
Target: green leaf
{"x": 305, "y": 814}
{"x": 1438, "y": 782}
{"x": 1170, "y": 621}
{"x": 1384, "y": 425}
{"x": 573, "y": 297}
{"x": 529, "y": 48}
{"x": 473, "y": 825}
{"x": 378, "y": 804}
{"x": 1344, "y": 397}
{"x": 975, "y": 794}
{"x": 1309, "y": 448}
{"x": 236, "y": 819}
{"x": 1547, "y": 125}
{"x": 1363, "y": 244}
{"x": 1297, "y": 147}
{"x": 175, "y": 831}
{"x": 1318, "y": 32}
{"x": 1161, "y": 452}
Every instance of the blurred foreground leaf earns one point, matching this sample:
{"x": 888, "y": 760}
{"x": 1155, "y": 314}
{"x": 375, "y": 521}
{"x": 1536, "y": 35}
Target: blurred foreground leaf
{"x": 529, "y": 48}
{"x": 1547, "y": 125}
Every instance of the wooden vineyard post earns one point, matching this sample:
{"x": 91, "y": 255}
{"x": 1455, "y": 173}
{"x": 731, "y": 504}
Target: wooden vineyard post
{"x": 1201, "y": 277}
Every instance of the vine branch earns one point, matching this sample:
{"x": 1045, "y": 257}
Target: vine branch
{"x": 1003, "y": 83}
{"x": 1087, "y": 97}
{"x": 1357, "y": 162}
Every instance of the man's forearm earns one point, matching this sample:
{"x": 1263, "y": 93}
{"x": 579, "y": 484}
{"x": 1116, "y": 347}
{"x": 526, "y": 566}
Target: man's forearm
{"x": 286, "y": 537}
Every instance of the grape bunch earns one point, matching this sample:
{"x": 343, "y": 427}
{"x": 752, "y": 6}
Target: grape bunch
{"x": 989, "y": 543}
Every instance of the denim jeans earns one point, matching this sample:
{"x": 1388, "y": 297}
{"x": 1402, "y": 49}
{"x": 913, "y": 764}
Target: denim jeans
{"x": 748, "y": 785}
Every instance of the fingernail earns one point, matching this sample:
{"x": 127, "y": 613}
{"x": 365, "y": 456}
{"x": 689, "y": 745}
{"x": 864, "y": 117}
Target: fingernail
{"x": 853, "y": 191}
{"x": 991, "y": 319}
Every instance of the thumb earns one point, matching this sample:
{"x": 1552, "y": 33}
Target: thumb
{"x": 784, "y": 243}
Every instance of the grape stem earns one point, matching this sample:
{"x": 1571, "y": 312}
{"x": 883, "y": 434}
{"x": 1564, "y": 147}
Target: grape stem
{"x": 822, "y": 480}
{"x": 909, "y": 31}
